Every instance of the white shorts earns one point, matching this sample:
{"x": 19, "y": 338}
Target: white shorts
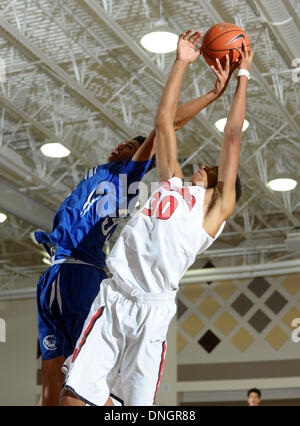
{"x": 122, "y": 347}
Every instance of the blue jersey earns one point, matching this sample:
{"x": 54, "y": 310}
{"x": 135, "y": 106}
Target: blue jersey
{"x": 90, "y": 214}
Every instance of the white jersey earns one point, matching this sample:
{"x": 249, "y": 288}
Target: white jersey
{"x": 161, "y": 241}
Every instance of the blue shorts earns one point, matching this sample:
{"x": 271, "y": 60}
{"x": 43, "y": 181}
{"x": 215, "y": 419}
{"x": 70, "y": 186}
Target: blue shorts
{"x": 65, "y": 294}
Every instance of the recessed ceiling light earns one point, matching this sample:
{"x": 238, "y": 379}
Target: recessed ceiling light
{"x": 160, "y": 41}
{"x": 55, "y": 150}
{"x": 220, "y": 124}
{"x": 3, "y": 217}
{"x": 282, "y": 184}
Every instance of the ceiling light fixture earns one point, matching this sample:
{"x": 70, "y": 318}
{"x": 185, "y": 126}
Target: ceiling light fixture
{"x": 3, "y": 217}
{"x": 55, "y": 150}
{"x": 282, "y": 184}
{"x": 160, "y": 41}
{"x": 220, "y": 124}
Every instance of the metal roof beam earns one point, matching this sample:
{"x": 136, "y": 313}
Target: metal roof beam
{"x": 12, "y": 163}
{"x": 291, "y": 11}
{"x": 42, "y": 129}
{"x": 50, "y": 66}
{"x": 20, "y": 205}
{"x": 126, "y": 39}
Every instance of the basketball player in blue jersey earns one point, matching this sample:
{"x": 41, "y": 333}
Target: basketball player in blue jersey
{"x": 81, "y": 227}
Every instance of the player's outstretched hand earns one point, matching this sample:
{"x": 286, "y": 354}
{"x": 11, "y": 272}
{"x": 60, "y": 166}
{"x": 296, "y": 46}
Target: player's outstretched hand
{"x": 223, "y": 76}
{"x": 246, "y": 57}
{"x": 186, "y": 46}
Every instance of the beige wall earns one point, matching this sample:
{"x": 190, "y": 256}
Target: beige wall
{"x": 238, "y": 321}
{"x": 234, "y": 335}
{"x": 19, "y": 363}
{"x": 18, "y": 355}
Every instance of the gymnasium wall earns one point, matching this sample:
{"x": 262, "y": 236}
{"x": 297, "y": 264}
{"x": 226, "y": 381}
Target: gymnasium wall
{"x": 228, "y": 336}
{"x": 18, "y": 355}
{"x": 237, "y": 334}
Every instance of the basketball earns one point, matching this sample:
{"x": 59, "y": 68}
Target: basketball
{"x": 222, "y": 39}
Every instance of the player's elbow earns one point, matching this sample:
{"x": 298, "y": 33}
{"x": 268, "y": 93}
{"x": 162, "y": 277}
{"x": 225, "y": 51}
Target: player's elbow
{"x": 178, "y": 124}
{"x": 233, "y": 133}
{"x": 234, "y": 126}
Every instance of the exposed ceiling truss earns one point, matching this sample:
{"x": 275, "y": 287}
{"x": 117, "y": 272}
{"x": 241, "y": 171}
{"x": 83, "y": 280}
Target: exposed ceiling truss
{"x": 75, "y": 73}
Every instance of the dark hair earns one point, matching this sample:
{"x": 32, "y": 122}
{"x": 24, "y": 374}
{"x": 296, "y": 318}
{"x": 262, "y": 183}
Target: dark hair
{"x": 254, "y": 390}
{"x": 238, "y": 189}
{"x": 139, "y": 139}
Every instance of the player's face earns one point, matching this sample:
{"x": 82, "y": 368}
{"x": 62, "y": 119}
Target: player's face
{"x": 253, "y": 399}
{"x": 206, "y": 177}
{"x": 123, "y": 151}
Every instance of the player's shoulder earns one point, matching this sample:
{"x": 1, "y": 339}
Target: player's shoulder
{"x": 172, "y": 182}
{"x": 101, "y": 170}
{"x": 109, "y": 170}
{"x": 133, "y": 168}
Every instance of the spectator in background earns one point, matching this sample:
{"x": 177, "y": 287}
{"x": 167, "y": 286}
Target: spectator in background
{"x": 254, "y": 395}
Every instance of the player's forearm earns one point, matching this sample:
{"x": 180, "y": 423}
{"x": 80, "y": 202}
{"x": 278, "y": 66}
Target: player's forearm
{"x": 166, "y": 152}
{"x": 166, "y": 145}
{"x": 183, "y": 115}
{"x": 190, "y": 109}
{"x": 169, "y": 100}
{"x": 237, "y": 112}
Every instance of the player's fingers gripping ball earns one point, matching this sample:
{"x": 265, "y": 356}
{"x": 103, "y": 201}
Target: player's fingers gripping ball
{"x": 221, "y": 40}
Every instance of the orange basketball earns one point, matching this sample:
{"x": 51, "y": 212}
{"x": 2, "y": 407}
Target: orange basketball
{"x": 222, "y": 39}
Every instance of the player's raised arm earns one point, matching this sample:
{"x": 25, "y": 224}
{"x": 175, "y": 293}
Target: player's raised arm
{"x": 147, "y": 149}
{"x": 166, "y": 150}
{"x": 190, "y": 109}
{"x": 230, "y": 149}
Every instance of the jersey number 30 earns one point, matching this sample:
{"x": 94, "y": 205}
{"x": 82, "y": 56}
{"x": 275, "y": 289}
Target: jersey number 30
{"x": 161, "y": 208}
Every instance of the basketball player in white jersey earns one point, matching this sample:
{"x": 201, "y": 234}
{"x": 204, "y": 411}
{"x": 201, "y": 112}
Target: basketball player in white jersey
{"x": 124, "y": 336}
